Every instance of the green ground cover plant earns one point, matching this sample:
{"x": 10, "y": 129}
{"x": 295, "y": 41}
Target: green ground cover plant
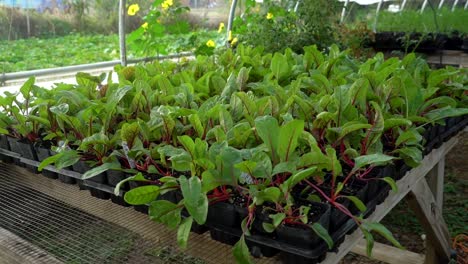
{"x": 269, "y": 133}
{"x": 34, "y": 53}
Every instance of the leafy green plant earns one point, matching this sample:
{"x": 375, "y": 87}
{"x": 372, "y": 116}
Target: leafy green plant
{"x": 265, "y": 133}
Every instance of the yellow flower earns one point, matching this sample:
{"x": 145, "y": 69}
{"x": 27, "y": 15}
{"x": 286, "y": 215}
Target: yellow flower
{"x": 145, "y": 25}
{"x": 234, "y": 41}
{"x": 230, "y": 36}
{"x": 210, "y": 43}
{"x": 221, "y": 27}
{"x": 133, "y": 9}
{"x": 269, "y": 16}
{"x": 166, "y": 4}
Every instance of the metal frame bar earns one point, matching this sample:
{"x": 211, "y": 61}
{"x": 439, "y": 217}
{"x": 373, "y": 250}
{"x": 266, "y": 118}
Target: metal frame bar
{"x": 123, "y": 48}
{"x": 83, "y": 67}
{"x": 232, "y": 13}
{"x": 423, "y": 6}
{"x": 343, "y": 12}
{"x": 454, "y": 5}
{"x": 403, "y": 5}
{"x": 441, "y": 3}
{"x": 377, "y": 11}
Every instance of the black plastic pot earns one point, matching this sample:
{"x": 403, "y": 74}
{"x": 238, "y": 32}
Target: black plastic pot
{"x": 6, "y": 146}
{"x": 42, "y": 154}
{"x": 337, "y": 217}
{"x": 258, "y": 250}
{"x": 465, "y": 45}
{"x": 28, "y": 152}
{"x": 119, "y": 200}
{"x": 199, "y": 229}
{"x": 66, "y": 179}
{"x": 223, "y": 237}
{"x": 301, "y": 237}
{"x": 222, "y": 214}
{"x": 296, "y": 259}
{"x": 14, "y": 147}
{"x": 101, "y": 178}
{"x": 81, "y": 167}
{"x": 375, "y": 186}
{"x": 403, "y": 169}
{"x": 169, "y": 196}
{"x": 114, "y": 177}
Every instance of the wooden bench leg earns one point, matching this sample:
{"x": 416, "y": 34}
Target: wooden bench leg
{"x": 427, "y": 209}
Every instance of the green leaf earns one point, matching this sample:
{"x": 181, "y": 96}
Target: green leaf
{"x": 100, "y": 169}
{"x": 351, "y": 127}
{"x": 277, "y": 218}
{"x": 312, "y": 56}
{"x": 370, "y": 241}
{"x": 268, "y": 130}
{"x": 372, "y": 159}
{"x": 271, "y": 194}
{"x": 61, "y": 160}
{"x": 396, "y": 122}
{"x": 323, "y": 234}
{"x": 137, "y": 177}
{"x": 445, "y": 112}
{"x": 27, "y": 87}
{"x": 142, "y": 195}
{"x": 241, "y": 252}
{"x": 188, "y": 144}
{"x": 298, "y": 177}
{"x": 48, "y": 161}
{"x": 197, "y": 125}
{"x": 279, "y": 66}
{"x": 392, "y": 183}
{"x": 383, "y": 231}
{"x": 268, "y": 227}
{"x": 357, "y": 202}
{"x": 165, "y": 212}
{"x": 288, "y": 138}
{"x": 377, "y": 127}
{"x": 411, "y": 155}
{"x": 246, "y": 166}
{"x": 409, "y": 137}
{"x": 284, "y": 167}
{"x": 130, "y": 132}
{"x": 184, "y": 231}
{"x": 195, "y": 200}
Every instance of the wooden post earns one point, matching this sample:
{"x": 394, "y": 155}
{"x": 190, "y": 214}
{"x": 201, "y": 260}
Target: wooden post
{"x": 435, "y": 180}
{"x": 423, "y": 203}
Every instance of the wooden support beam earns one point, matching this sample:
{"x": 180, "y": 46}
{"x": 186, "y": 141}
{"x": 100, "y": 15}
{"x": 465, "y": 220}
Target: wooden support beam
{"x": 389, "y": 254}
{"x": 435, "y": 180}
{"x": 422, "y": 202}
